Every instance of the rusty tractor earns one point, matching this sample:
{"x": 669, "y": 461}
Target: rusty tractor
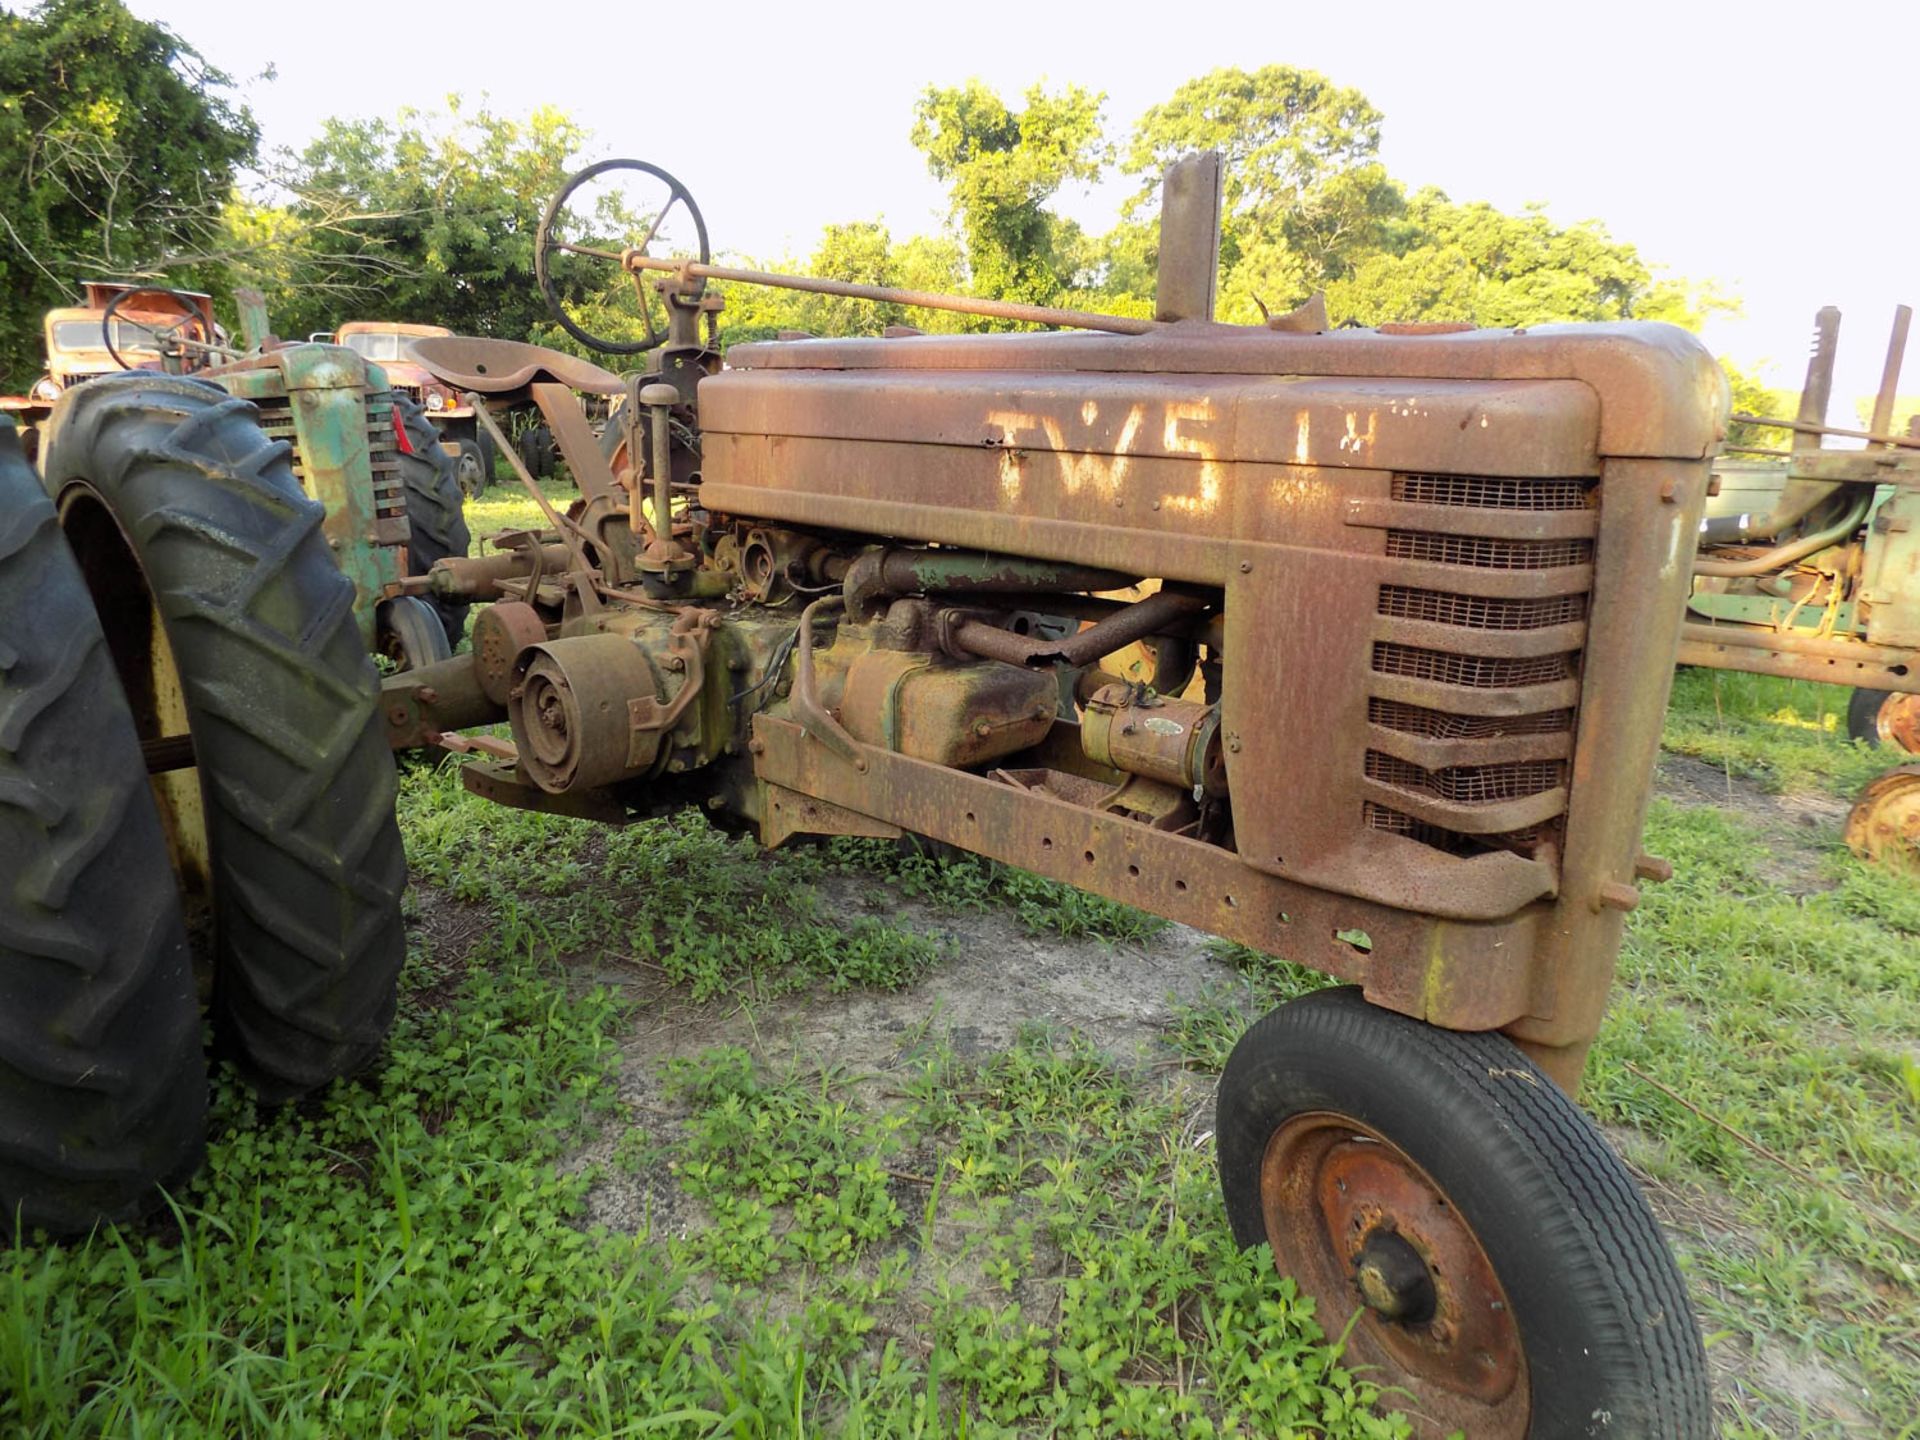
{"x": 360, "y": 445}
{"x": 1809, "y": 567}
{"x": 1409, "y": 605}
{"x": 1410, "y": 601}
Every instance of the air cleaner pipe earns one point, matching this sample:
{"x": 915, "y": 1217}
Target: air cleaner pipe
{"x": 1137, "y": 621}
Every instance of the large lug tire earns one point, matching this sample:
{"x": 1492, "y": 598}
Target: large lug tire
{"x": 180, "y": 508}
{"x": 436, "y": 510}
{"x": 103, "y": 1087}
{"x": 1507, "y": 1276}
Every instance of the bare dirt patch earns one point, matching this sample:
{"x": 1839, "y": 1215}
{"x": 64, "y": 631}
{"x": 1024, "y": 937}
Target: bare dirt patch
{"x": 1799, "y": 828}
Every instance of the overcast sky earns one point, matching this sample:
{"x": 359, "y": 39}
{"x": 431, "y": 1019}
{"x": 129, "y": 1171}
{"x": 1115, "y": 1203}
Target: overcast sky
{"x": 1769, "y": 147}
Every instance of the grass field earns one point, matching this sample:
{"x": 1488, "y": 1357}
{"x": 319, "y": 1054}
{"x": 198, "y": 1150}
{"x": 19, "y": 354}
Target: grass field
{"x": 674, "y": 1138}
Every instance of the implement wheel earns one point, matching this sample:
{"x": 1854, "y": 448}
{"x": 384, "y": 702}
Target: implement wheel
{"x": 1501, "y": 1270}
{"x": 471, "y": 467}
{"x": 103, "y": 1089}
{"x": 228, "y": 621}
{"x": 1885, "y": 717}
{"x": 1884, "y": 825}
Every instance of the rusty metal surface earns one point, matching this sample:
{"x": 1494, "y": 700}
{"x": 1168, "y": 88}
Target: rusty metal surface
{"x": 1175, "y": 741}
{"x": 1189, "y": 261}
{"x": 501, "y": 635}
{"x": 949, "y": 714}
{"x": 880, "y": 294}
{"x": 1367, "y": 1233}
{"x": 1664, "y": 393}
{"x": 1897, "y": 722}
{"x": 1884, "y": 824}
{"x": 1704, "y": 645}
{"x": 502, "y": 367}
{"x": 1463, "y": 974}
{"x": 419, "y": 706}
{"x": 1422, "y": 589}
{"x": 1160, "y": 611}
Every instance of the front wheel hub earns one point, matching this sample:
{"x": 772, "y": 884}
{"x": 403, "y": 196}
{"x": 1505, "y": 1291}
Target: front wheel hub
{"x": 1393, "y": 1280}
{"x": 1357, "y": 1222}
{"x": 1884, "y": 825}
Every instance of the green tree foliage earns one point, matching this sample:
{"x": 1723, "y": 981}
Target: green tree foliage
{"x": 1001, "y": 167}
{"x": 1308, "y": 207}
{"x": 1304, "y": 191}
{"x": 452, "y": 201}
{"x": 119, "y": 147}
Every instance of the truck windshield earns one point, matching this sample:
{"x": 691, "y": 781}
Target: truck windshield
{"x": 379, "y": 345}
{"x": 85, "y": 335}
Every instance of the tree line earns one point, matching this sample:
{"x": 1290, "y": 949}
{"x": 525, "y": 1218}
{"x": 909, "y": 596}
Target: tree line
{"x": 123, "y": 153}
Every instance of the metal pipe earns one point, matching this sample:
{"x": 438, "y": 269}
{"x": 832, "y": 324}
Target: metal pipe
{"x": 1137, "y": 621}
{"x": 814, "y": 717}
{"x": 570, "y": 534}
{"x": 1749, "y": 637}
{"x": 1909, "y": 442}
{"x": 1787, "y": 554}
{"x": 890, "y": 295}
{"x": 880, "y": 572}
{"x": 478, "y": 577}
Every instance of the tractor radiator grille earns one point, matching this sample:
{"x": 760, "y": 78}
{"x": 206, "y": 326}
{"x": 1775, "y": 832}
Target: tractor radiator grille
{"x": 1379, "y": 817}
{"x": 1489, "y": 492}
{"x": 389, "y": 493}
{"x": 1486, "y": 553}
{"x": 1481, "y": 612}
{"x": 1438, "y": 724}
{"x": 1477, "y": 672}
{"x": 1472, "y": 709}
{"x": 1468, "y": 784}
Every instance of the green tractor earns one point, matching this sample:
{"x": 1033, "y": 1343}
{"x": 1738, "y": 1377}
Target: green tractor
{"x": 365, "y": 450}
{"x": 199, "y": 568}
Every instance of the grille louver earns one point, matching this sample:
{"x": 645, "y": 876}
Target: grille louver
{"x": 1469, "y": 753}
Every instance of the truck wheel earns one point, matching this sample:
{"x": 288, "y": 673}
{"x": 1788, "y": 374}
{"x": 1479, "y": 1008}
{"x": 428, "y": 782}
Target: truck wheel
{"x": 103, "y": 1089}
{"x": 1508, "y": 1277}
{"x": 470, "y": 466}
{"x": 436, "y": 511}
{"x": 1885, "y": 717}
{"x": 229, "y": 621}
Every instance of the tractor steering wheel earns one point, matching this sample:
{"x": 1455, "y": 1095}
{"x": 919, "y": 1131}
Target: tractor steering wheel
{"x": 170, "y": 340}
{"x": 552, "y": 236}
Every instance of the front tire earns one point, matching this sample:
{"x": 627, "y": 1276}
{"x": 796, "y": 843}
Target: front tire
{"x": 1498, "y": 1263}
{"x": 103, "y": 1088}
{"x": 228, "y": 618}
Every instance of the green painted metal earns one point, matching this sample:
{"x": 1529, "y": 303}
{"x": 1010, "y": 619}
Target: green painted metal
{"x": 1768, "y": 612}
{"x": 326, "y": 393}
{"x": 1891, "y": 587}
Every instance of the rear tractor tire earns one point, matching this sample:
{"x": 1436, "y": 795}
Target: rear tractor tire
{"x": 1501, "y": 1271}
{"x": 436, "y": 512}
{"x": 231, "y": 626}
{"x": 103, "y": 1088}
